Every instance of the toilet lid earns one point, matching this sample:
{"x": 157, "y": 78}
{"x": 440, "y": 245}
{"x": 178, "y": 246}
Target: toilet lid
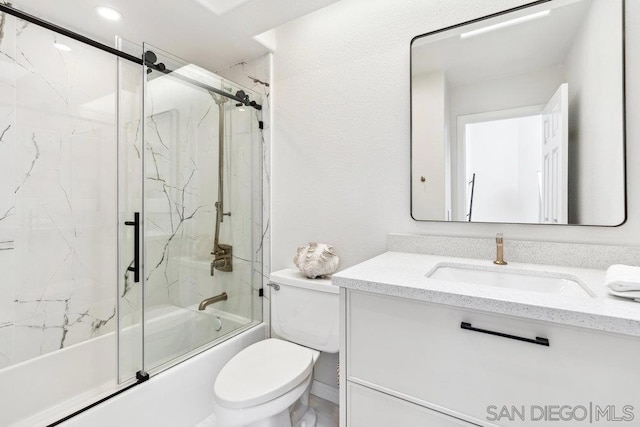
{"x": 262, "y": 372}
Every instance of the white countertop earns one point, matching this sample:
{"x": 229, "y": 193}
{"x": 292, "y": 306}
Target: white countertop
{"x": 404, "y": 275}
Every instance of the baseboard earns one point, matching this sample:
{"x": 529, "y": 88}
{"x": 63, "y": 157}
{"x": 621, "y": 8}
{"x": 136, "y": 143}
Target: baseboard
{"x": 325, "y": 392}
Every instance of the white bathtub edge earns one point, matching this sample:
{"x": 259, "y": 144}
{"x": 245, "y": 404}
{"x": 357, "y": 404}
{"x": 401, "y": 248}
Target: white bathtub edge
{"x": 180, "y": 396}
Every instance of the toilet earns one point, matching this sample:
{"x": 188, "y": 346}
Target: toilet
{"x": 268, "y": 383}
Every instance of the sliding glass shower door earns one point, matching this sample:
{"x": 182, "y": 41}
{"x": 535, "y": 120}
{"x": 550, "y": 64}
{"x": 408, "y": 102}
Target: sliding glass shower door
{"x": 200, "y": 248}
{"x": 58, "y": 223}
{"x": 110, "y": 198}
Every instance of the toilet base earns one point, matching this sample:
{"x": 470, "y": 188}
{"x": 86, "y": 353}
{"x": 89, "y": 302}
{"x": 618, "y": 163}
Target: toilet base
{"x": 296, "y": 411}
{"x": 283, "y": 419}
{"x": 309, "y": 419}
{"x": 302, "y": 415}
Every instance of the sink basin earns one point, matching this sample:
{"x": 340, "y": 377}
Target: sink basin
{"x": 511, "y": 278}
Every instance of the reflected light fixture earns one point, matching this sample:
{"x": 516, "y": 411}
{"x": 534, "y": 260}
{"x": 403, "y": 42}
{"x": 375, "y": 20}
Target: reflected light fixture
{"x": 505, "y": 24}
{"x": 109, "y": 13}
{"x": 62, "y": 47}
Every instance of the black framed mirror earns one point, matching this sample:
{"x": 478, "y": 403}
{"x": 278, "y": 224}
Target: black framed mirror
{"x": 519, "y": 117}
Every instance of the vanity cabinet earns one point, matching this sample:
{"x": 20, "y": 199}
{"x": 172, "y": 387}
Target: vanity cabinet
{"x": 438, "y": 365}
{"x": 371, "y": 408}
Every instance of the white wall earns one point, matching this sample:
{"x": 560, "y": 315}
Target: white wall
{"x": 523, "y": 90}
{"x": 595, "y": 100}
{"x": 428, "y": 155}
{"x": 513, "y": 147}
{"x": 341, "y": 130}
{"x": 504, "y": 93}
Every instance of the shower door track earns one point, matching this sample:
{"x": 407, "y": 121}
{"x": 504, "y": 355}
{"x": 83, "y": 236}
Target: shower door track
{"x": 96, "y": 403}
{"x": 86, "y": 40}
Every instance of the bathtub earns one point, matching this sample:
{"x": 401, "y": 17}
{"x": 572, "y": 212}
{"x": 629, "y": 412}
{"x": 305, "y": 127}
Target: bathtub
{"x": 181, "y": 388}
{"x": 170, "y": 330}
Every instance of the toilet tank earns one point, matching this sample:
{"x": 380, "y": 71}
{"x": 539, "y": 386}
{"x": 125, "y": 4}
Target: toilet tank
{"x": 305, "y": 311}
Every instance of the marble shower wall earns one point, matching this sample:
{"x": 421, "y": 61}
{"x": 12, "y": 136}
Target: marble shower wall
{"x": 57, "y": 192}
{"x": 181, "y": 141}
{"x": 129, "y": 202}
{"x": 256, "y": 75}
{"x": 59, "y": 165}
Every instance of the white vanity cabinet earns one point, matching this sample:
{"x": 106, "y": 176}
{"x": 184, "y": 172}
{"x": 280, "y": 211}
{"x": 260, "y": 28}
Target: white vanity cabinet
{"x": 412, "y": 363}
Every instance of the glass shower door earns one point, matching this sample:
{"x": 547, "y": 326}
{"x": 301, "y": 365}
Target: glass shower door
{"x": 199, "y": 171}
{"x": 79, "y": 157}
{"x": 58, "y": 224}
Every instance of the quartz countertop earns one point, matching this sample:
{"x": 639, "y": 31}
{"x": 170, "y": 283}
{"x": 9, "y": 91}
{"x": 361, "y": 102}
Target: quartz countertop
{"x": 403, "y": 275}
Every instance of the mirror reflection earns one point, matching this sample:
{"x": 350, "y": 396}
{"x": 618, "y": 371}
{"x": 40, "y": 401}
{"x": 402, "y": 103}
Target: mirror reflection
{"x": 519, "y": 118}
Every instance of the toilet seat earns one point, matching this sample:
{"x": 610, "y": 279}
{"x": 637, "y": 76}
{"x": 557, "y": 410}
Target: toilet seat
{"x": 263, "y": 372}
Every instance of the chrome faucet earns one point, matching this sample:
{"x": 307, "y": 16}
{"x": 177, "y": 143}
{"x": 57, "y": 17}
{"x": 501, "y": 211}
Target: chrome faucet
{"x": 499, "y": 250}
{"x": 222, "y": 297}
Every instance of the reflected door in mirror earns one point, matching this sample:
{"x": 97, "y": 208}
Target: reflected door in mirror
{"x": 531, "y": 104}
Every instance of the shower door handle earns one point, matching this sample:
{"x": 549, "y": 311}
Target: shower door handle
{"x": 136, "y": 246}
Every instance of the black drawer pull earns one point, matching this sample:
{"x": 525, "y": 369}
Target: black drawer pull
{"x": 538, "y": 340}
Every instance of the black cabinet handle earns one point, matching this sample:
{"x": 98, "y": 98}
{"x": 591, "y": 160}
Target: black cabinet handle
{"x": 538, "y": 340}
{"x": 136, "y": 246}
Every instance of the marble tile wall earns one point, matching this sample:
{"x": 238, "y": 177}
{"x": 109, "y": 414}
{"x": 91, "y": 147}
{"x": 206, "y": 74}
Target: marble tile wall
{"x": 129, "y": 202}
{"x": 62, "y": 209}
{"x": 181, "y": 150}
{"x": 57, "y": 192}
{"x": 256, "y": 75}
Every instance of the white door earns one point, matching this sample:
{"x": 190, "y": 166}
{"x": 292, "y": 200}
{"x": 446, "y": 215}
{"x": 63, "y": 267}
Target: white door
{"x": 555, "y": 149}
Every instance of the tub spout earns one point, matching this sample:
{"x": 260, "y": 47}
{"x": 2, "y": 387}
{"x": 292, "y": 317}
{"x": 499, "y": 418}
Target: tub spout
{"x": 222, "y": 297}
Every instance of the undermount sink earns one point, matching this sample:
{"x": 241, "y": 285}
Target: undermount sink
{"x": 511, "y": 278}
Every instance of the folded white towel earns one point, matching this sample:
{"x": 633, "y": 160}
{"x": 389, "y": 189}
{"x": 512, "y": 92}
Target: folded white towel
{"x": 623, "y": 278}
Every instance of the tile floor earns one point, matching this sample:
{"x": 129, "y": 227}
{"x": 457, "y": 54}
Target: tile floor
{"x": 327, "y": 412}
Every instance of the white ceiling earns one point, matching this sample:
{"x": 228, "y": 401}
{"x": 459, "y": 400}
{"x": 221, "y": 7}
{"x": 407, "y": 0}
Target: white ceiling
{"x": 214, "y": 34}
{"x": 508, "y": 51}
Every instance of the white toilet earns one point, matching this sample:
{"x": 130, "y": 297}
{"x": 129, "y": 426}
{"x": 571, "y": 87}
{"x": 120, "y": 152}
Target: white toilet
{"x": 268, "y": 383}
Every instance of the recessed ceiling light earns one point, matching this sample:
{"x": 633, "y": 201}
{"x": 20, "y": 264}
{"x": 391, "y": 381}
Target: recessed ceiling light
{"x": 505, "y": 24}
{"x": 109, "y": 13}
{"x": 240, "y": 109}
{"x": 62, "y": 47}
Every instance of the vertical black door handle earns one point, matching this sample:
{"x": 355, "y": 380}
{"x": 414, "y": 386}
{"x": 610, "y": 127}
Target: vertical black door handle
{"x": 136, "y": 246}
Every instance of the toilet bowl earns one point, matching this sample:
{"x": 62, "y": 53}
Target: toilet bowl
{"x": 268, "y": 383}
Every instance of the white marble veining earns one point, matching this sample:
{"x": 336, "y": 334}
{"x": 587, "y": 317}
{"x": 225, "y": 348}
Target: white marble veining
{"x": 549, "y": 253}
{"x": 60, "y": 163}
{"x": 181, "y": 189}
{"x": 404, "y": 275}
{"x": 57, "y": 192}
{"x": 256, "y": 75}
{"x": 71, "y": 173}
